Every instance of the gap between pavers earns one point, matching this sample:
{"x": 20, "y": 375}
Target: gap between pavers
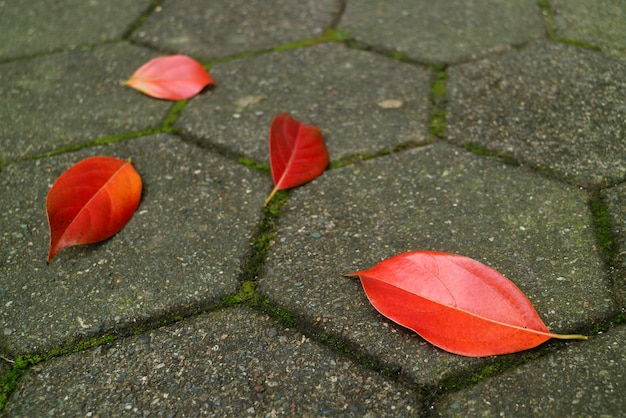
{"x": 182, "y": 250}
{"x": 537, "y": 232}
{"x": 231, "y": 363}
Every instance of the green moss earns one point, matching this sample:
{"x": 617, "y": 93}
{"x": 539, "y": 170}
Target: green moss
{"x": 599, "y": 328}
{"x": 548, "y": 17}
{"x": 437, "y": 122}
{"x": 245, "y": 294}
{"x": 330, "y": 35}
{"x": 619, "y": 319}
{"x": 280, "y": 314}
{"x": 486, "y": 152}
{"x": 578, "y": 43}
{"x": 172, "y": 116}
{"x": 248, "y": 162}
{"x": 604, "y": 231}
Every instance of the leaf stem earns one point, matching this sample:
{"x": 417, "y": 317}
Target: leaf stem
{"x": 270, "y": 197}
{"x": 568, "y": 336}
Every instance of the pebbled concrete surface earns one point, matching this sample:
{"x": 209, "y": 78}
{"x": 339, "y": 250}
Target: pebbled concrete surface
{"x": 208, "y": 304}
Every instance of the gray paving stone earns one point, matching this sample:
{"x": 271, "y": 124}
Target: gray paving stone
{"x": 342, "y": 91}
{"x": 444, "y": 31}
{"x": 46, "y": 26}
{"x": 552, "y": 106}
{"x": 71, "y": 98}
{"x": 616, "y": 199}
{"x": 583, "y": 380}
{"x": 228, "y": 363}
{"x": 598, "y": 22}
{"x": 220, "y": 28}
{"x": 536, "y": 232}
{"x": 182, "y": 249}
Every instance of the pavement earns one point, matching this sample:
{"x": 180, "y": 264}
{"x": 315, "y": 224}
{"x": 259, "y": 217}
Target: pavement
{"x": 494, "y": 129}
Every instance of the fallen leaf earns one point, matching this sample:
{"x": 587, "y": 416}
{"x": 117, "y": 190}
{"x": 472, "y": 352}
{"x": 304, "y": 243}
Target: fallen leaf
{"x": 174, "y": 77}
{"x": 91, "y": 201}
{"x": 455, "y": 303}
{"x": 390, "y": 104}
{"x": 297, "y": 153}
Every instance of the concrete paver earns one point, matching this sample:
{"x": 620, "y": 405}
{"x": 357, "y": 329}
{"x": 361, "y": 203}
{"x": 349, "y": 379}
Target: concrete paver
{"x": 72, "y": 98}
{"x": 344, "y": 92}
{"x": 227, "y": 363}
{"x": 27, "y": 28}
{"x": 182, "y": 250}
{"x": 552, "y": 106}
{"x": 538, "y": 83}
{"x": 587, "y": 378}
{"x": 444, "y": 31}
{"x": 600, "y": 23}
{"x": 536, "y": 232}
{"x": 235, "y": 26}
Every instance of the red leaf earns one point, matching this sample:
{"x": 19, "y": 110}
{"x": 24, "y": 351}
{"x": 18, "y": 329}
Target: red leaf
{"x": 455, "y": 303}
{"x": 297, "y": 153}
{"x": 91, "y": 201}
{"x": 174, "y": 77}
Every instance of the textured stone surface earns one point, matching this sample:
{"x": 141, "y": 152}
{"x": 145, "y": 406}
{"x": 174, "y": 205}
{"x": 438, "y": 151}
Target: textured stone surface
{"x": 228, "y": 363}
{"x": 536, "y": 232}
{"x": 46, "y": 26}
{"x": 342, "y": 91}
{"x": 552, "y": 106}
{"x": 446, "y": 30}
{"x": 73, "y": 98}
{"x": 598, "y": 22}
{"x": 226, "y": 27}
{"x": 182, "y": 249}
{"x": 586, "y": 377}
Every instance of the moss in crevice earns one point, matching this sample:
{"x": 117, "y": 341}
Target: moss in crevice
{"x": 142, "y": 18}
{"x": 483, "y": 151}
{"x": 8, "y": 381}
{"x": 263, "y": 238}
{"x": 245, "y": 294}
{"x": 392, "y": 54}
{"x": 437, "y": 122}
{"x": 105, "y": 140}
{"x": 548, "y": 18}
{"x": 250, "y": 163}
{"x": 578, "y": 43}
{"x": 604, "y": 232}
{"x": 172, "y": 116}
{"x": 329, "y": 35}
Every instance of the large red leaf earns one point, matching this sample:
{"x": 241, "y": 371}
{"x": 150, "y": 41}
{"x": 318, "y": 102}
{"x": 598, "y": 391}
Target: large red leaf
{"x": 297, "y": 153}
{"x": 91, "y": 201}
{"x": 455, "y": 303}
{"x": 175, "y": 77}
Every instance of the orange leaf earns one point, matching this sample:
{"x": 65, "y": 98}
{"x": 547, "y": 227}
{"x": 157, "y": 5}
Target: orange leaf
{"x": 91, "y": 201}
{"x": 297, "y": 153}
{"x": 455, "y": 303}
{"x": 174, "y": 77}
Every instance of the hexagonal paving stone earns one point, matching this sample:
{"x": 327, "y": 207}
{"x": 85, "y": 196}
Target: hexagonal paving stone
{"x": 227, "y": 363}
{"x": 346, "y": 93}
{"x": 553, "y": 106}
{"x": 537, "y": 232}
{"x": 46, "y": 26}
{"x": 183, "y": 248}
{"x": 443, "y": 31}
{"x": 584, "y": 379}
{"x": 598, "y": 22}
{"x": 220, "y": 28}
{"x": 73, "y": 98}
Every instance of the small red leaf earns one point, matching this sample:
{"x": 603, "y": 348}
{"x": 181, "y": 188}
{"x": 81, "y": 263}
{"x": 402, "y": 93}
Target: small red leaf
{"x": 91, "y": 201}
{"x": 455, "y": 303}
{"x": 175, "y": 77}
{"x": 297, "y": 153}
